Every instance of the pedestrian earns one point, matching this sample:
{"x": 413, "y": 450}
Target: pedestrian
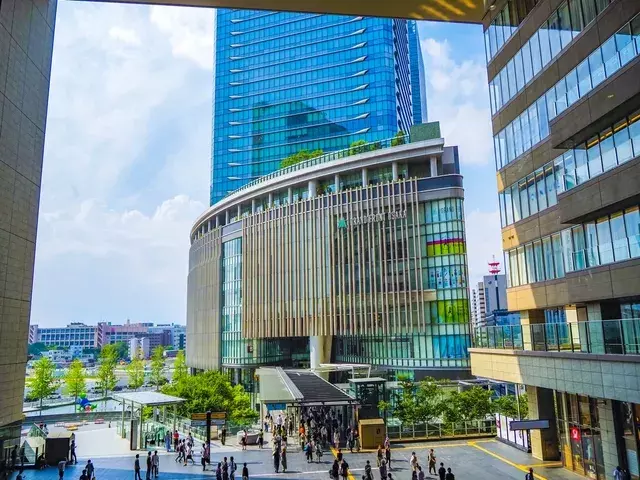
{"x": 136, "y": 468}
{"x": 344, "y": 469}
{"x": 219, "y": 472}
{"x": 319, "y": 452}
{"x": 308, "y": 452}
{"x": 83, "y": 475}
{"x": 379, "y": 455}
{"x": 245, "y": 472}
{"x": 387, "y": 456}
{"x": 243, "y": 440}
{"x": 74, "y": 458}
{"x": 368, "y": 475}
{"x": 442, "y": 471}
{"x": 223, "y": 436}
{"x": 225, "y": 469}
{"x": 61, "y": 464}
{"x": 339, "y": 455}
{"x": 617, "y": 474}
{"x": 261, "y": 438}
{"x": 14, "y": 457}
{"x": 189, "y": 455}
{"x": 276, "y": 459}
{"x": 413, "y": 461}
{"x": 90, "y": 469}
{"x": 167, "y": 441}
{"x": 420, "y": 473}
{"x": 335, "y": 470}
{"x": 149, "y": 466}
{"x": 414, "y": 474}
{"x": 283, "y": 458}
{"x": 451, "y": 476}
{"x": 383, "y": 470}
{"x": 336, "y": 439}
{"x": 21, "y": 475}
{"x": 387, "y": 442}
{"x": 176, "y": 438}
{"x": 432, "y": 462}
{"x": 155, "y": 464}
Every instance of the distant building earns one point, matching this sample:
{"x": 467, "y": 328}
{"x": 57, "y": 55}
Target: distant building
{"x": 108, "y": 333}
{"x": 74, "y": 334}
{"x": 139, "y": 347}
{"x": 478, "y": 305}
{"x": 177, "y": 335}
{"x": 489, "y": 302}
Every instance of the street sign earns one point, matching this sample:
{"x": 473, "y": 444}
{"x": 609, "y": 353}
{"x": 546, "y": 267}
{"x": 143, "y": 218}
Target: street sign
{"x": 200, "y": 419}
{"x": 529, "y": 425}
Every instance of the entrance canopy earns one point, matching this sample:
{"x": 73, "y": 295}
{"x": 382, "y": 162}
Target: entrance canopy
{"x": 147, "y": 399}
{"x": 299, "y": 388}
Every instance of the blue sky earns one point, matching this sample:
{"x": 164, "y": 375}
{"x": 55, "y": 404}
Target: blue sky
{"x": 127, "y": 156}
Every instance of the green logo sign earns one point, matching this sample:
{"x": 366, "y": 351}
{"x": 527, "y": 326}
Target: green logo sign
{"x": 342, "y": 223}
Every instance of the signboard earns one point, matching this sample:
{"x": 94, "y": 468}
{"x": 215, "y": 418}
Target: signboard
{"x": 529, "y": 425}
{"x": 200, "y": 419}
{"x": 276, "y": 406}
{"x": 352, "y": 222}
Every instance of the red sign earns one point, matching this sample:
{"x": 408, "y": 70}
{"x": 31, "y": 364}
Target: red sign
{"x": 575, "y": 434}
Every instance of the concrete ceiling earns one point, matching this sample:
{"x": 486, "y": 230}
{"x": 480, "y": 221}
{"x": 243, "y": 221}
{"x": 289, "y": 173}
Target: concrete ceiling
{"x": 468, "y": 11}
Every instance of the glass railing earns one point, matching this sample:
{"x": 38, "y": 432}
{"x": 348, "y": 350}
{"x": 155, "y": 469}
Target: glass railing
{"x": 603, "y": 337}
{"x": 329, "y": 157}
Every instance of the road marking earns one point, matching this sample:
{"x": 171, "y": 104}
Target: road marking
{"x": 548, "y": 464}
{"x": 434, "y": 446}
{"x": 350, "y": 475}
{"x": 522, "y": 468}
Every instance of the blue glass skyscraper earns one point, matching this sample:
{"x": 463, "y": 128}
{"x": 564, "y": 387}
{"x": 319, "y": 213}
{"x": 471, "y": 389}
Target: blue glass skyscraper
{"x": 418, "y": 77}
{"x": 285, "y": 82}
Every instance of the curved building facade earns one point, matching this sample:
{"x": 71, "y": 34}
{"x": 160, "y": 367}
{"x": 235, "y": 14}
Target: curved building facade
{"x": 353, "y": 257}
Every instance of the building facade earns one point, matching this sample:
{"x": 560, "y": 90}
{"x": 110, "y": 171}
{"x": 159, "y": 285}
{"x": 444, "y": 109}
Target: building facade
{"x": 418, "y": 76}
{"x": 287, "y": 82}
{"x": 349, "y": 258}
{"x": 108, "y": 333}
{"x": 478, "y": 306}
{"x": 74, "y": 334}
{"x": 565, "y": 99}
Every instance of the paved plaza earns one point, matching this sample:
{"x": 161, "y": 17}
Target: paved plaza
{"x": 478, "y": 460}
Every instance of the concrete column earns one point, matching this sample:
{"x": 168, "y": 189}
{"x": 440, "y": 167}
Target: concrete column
{"x": 365, "y": 177}
{"x": 253, "y": 205}
{"x": 544, "y": 443}
{"x": 608, "y": 436}
{"x": 217, "y": 221}
{"x": 394, "y": 171}
{"x": 319, "y": 350}
{"x": 270, "y": 200}
{"x": 336, "y": 181}
{"x": 313, "y": 188}
{"x": 434, "y": 166}
{"x": 571, "y": 312}
{"x": 239, "y": 209}
{"x": 226, "y": 217}
{"x": 289, "y": 195}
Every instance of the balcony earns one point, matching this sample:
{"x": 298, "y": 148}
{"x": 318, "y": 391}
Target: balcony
{"x": 619, "y": 337}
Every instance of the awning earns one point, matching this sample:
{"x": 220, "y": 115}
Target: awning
{"x": 147, "y": 399}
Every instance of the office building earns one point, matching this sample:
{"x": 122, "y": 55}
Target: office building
{"x": 287, "y": 82}
{"x": 108, "y": 333}
{"x": 74, "y": 334}
{"x": 177, "y": 335}
{"x": 347, "y": 258}
{"x": 478, "y": 306}
{"x": 565, "y": 99}
{"x": 139, "y": 348}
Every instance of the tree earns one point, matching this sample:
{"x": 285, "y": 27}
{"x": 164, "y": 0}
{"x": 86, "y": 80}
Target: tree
{"x": 398, "y": 139}
{"x": 36, "y": 348}
{"x": 212, "y": 391}
{"x": 43, "y": 383}
{"x": 107, "y": 369}
{"x": 508, "y": 405}
{"x": 300, "y": 156}
{"x": 75, "y": 383}
{"x": 405, "y": 409}
{"x": 359, "y": 146}
{"x": 135, "y": 372}
{"x": 180, "y": 370}
{"x": 430, "y": 399}
{"x": 122, "y": 350}
{"x": 471, "y": 404}
{"x": 157, "y": 366}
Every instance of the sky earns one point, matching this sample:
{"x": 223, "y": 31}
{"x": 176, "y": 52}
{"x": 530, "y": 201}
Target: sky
{"x": 127, "y": 156}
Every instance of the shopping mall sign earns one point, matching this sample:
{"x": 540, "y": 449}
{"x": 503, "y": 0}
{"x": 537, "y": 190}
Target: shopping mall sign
{"x": 372, "y": 218}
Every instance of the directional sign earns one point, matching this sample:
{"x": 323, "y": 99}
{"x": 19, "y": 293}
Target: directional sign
{"x": 200, "y": 419}
{"x": 529, "y": 425}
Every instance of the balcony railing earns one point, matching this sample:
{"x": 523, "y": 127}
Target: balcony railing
{"x": 620, "y": 337}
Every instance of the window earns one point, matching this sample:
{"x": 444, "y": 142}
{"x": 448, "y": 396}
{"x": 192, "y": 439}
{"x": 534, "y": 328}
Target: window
{"x": 596, "y": 66}
{"x": 584, "y": 78}
{"x": 572, "y": 87}
{"x": 567, "y": 250}
{"x": 622, "y": 141}
{"x": 579, "y": 254}
{"x": 541, "y": 189}
{"x": 558, "y": 262}
{"x": 519, "y": 68}
{"x": 543, "y": 117}
{"x": 635, "y": 31}
{"x": 625, "y": 45}
{"x": 545, "y": 48}
{"x": 607, "y": 149}
{"x": 575, "y": 10}
{"x": 558, "y": 166}
{"x": 582, "y": 168}
{"x": 522, "y": 267}
{"x": 561, "y": 96}
{"x": 569, "y": 169}
{"x": 610, "y": 56}
{"x": 532, "y": 193}
{"x": 591, "y": 244}
{"x": 548, "y": 258}
{"x": 539, "y": 260}
{"x": 632, "y": 223}
{"x": 554, "y": 34}
{"x": 605, "y": 248}
{"x": 513, "y": 266}
{"x": 511, "y": 78}
{"x": 526, "y": 61}
{"x": 526, "y": 130}
{"x": 550, "y": 181}
{"x": 594, "y": 157}
{"x": 508, "y": 206}
{"x": 619, "y": 236}
{"x": 634, "y": 131}
{"x": 533, "y": 124}
{"x": 524, "y": 197}
{"x": 564, "y": 25}
{"x": 531, "y": 277}
{"x": 515, "y": 195}
{"x": 588, "y": 10}
{"x": 536, "y": 59}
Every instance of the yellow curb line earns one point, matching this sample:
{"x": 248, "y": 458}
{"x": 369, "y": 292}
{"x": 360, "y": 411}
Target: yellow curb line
{"x": 350, "y": 476}
{"x": 522, "y": 468}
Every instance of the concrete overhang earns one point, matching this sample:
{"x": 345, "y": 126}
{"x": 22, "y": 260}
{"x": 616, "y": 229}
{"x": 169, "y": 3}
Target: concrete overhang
{"x": 465, "y": 11}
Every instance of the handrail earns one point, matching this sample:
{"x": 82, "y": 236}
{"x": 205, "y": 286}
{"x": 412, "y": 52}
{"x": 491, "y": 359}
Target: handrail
{"x": 619, "y": 336}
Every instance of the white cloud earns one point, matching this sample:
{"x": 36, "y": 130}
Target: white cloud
{"x": 125, "y": 35}
{"x": 190, "y": 31}
{"x": 458, "y": 98}
{"x": 126, "y": 167}
{"x": 483, "y": 241}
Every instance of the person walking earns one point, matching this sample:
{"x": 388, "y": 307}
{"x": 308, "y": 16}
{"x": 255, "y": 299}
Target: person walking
{"x": 531, "y": 476}
{"x": 335, "y": 470}
{"x": 276, "y": 459}
{"x": 387, "y": 456}
{"x": 336, "y": 438}
{"x": 223, "y": 436}
{"x": 176, "y": 439}
{"x": 245, "y": 472}
{"x": 83, "y": 475}
{"x": 442, "y": 471}
{"x": 136, "y": 468}
{"x": 413, "y": 461}
{"x": 451, "y": 476}
{"x": 380, "y": 456}
{"x": 167, "y": 441}
{"x": 232, "y": 468}
{"x": 61, "y": 464}
{"x": 368, "y": 474}
{"x": 261, "y": 438}
{"x": 420, "y": 473}
{"x": 149, "y": 466}
{"x": 283, "y": 458}
{"x": 344, "y": 469}
{"x": 225, "y": 469}
{"x": 618, "y": 474}
{"x": 383, "y": 470}
{"x": 90, "y": 470}
{"x": 155, "y": 464}
{"x": 74, "y": 458}
{"x": 432, "y": 462}
{"x": 243, "y": 440}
